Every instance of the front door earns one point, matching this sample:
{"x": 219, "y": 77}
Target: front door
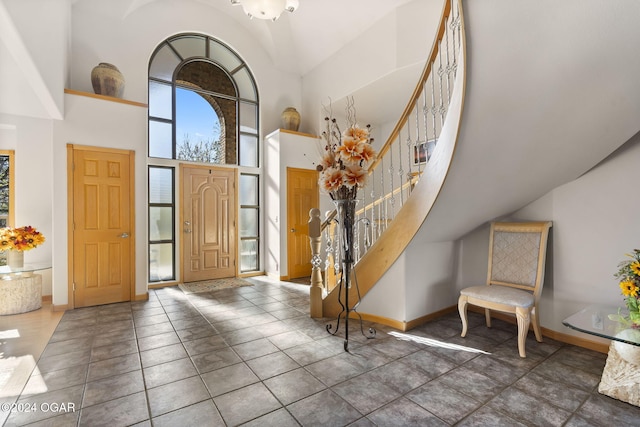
{"x": 102, "y": 229}
{"x": 302, "y": 196}
{"x": 208, "y": 223}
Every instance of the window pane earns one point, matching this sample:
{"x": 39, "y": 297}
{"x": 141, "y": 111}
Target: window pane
{"x": 248, "y": 150}
{"x": 248, "y": 190}
{"x": 163, "y": 64}
{"x": 160, "y": 223}
{"x": 160, "y": 100}
{"x": 248, "y": 118}
{"x": 248, "y": 255}
{"x": 189, "y": 46}
{"x": 198, "y": 128}
{"x": 160, "y": 140}
{"x": 245, "y": 85}
{"x": 160, "y": 185}
{"x": 248, "y": 222}
{"x": 161, "y": 262}
{"x": 223, "y": 56}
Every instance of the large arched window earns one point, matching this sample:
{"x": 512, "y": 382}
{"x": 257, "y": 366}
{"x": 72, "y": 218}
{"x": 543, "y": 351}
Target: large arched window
{"x": 188, "y": 68}
{"x": 203, "y": 108}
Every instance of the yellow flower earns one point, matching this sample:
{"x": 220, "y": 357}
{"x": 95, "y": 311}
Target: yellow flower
{"x": 635, "y": 267}
{"x": 629, "y": 288}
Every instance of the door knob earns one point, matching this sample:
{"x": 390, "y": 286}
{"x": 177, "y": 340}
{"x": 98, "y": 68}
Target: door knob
{"x": 187, "y": 223}
{"x": 293, "y": 230}
{"x": 124, "y": 235}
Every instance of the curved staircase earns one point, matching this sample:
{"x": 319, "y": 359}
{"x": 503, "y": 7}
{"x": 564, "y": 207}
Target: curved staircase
{"x": 540, "y": 97}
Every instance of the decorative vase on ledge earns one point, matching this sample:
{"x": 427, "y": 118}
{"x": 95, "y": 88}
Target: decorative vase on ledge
{"x": 290, "y": 119}
{"x": 15, "y": 259}
{"x": 107, "y": 80}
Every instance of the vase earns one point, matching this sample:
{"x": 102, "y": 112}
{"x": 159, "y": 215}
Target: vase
{"x": 290, "y": 119}
{"x": 15, "y": 259}
{"x": 346, "y": 217}
{"x": 107, "y": 80}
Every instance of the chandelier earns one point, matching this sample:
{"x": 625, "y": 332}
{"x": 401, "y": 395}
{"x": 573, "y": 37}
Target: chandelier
{"x": 266, "y": 9}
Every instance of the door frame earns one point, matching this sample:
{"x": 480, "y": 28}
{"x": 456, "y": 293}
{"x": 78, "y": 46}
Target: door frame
{"x": 289, "y": 189}
{"x": 71, "y": 148}
{"x": 180, "y": 204}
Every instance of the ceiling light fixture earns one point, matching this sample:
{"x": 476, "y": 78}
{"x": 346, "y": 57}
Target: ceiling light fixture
{"x": 266, "y": 9}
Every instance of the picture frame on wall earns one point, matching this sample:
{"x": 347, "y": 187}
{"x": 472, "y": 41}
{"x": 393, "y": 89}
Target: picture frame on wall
{"x": 422, "y": 152}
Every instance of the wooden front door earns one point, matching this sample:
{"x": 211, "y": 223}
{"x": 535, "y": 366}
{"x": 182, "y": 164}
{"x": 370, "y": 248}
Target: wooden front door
{"x": 102, "y": 228}
{"x": 208, "y": 223}
{"x": 302, "y": 196}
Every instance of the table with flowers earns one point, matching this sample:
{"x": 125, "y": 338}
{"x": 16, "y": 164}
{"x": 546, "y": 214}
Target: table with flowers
{"x": 20, "y": 287}
{"x": 621, "y": 375}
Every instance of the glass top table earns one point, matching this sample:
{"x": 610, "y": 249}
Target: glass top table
{"x": 27, "y": 270}
{"x": 594, "y": 320}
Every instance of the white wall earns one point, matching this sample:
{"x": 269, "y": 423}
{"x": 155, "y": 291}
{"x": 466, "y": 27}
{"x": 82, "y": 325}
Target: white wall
{"x": 595, "y": 223}
{"x": 30, "y": 138}
{"x": 106, "y": 32}
{"x": 282, "y": 150}
{"x": 400, "y": 39}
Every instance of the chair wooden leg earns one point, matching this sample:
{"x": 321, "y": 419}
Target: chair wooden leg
{"x": 462, "y": 309}
{"x": 536, "y": 324}
{"x": 487, "y": 317}
{"x": 524, "y": 319}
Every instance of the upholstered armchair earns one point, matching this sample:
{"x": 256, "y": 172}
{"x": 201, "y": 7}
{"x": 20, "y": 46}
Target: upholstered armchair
{"x": 517, "y": 253}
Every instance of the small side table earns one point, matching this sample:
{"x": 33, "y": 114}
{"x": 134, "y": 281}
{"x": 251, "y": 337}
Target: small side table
{"x": 621, "y": 374}
{"x": 21, "y": 289}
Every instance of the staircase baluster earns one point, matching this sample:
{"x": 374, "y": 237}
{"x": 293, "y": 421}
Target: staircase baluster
{"x": 441, "y": 108}
{"x": 400, "y": 171}
{"x": 392, "y": 199}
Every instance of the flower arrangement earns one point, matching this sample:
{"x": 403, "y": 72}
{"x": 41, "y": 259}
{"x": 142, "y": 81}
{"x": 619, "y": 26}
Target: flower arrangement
{"x": 629, "y": 277}
{"x": 20, "y": 238}
{"x": 346, "y": 155}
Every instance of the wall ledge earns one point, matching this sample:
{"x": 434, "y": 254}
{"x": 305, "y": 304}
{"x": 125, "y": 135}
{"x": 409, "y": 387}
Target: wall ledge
{"x": 105, "y": 98}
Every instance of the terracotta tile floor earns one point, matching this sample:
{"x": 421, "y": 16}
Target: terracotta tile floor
{"x": 252, "y": 356}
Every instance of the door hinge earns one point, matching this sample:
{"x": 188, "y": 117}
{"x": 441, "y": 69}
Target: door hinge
{"x": 74, "y": 286}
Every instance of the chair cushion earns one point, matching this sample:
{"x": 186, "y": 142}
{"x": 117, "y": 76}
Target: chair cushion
{"x": 500, "y": 294}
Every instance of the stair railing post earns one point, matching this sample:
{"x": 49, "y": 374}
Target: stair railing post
{"x": 315, "y": 240}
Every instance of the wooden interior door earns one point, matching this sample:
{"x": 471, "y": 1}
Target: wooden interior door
{"x": 102, "y": 229}
{"x": 208, "y": 223}
{"x": 302, "y": 196}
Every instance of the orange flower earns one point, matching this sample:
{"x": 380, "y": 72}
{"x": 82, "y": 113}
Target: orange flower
{"x": 357, "y": 133}
{"x": 331, "y": 179}
{"x": 367, "y": 153}
{"x": 328, "y": 160}
{"x": 349, "y": 151}
{"x": 355, "y": 175}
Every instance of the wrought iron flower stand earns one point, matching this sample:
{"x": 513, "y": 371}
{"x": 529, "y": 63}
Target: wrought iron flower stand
{"x": 346, "y": 219}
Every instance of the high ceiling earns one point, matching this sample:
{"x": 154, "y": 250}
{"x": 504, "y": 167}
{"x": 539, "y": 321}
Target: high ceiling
{"x": 296, "y": 42}
{"x": 300, "y": 41}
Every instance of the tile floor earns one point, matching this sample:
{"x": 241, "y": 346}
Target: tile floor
{"x": 252, "y": 356}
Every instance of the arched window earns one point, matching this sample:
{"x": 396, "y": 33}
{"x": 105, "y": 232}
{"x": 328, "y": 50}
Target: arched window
{"x": 203, "y": 103}
{"x": 203, "y": 108}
